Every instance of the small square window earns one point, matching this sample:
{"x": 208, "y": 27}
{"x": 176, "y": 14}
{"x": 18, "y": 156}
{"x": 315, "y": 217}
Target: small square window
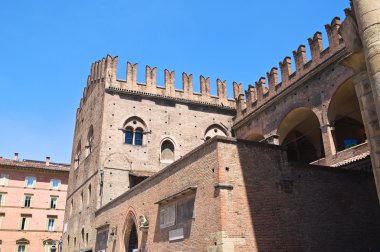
{"x": 53, "y": 202}
{"x": 27, "y": 200}
{"x": 30, "y": 181}
{"x": 21, "y": 248}
{"x": 51, "y": 224}
{"x": 24, "y": 223}
{"x": 2, "y": 199}
{"x": 1, "y": 219}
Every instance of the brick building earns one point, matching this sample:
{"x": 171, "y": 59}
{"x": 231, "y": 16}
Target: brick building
{"x": 32, "y": 203}
{"x": 289, "y": 166}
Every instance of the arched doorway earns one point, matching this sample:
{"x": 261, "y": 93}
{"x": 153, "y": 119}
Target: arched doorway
{"x": 300, "y": 132}
{"x": 345, "y": 117}
{"x": 131, "y": 236}
{"x": 133, "y": 239}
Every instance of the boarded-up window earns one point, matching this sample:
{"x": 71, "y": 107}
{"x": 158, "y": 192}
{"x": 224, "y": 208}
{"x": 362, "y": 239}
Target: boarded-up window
{"x": 167, "y": 151}
{"x": 167, "y": 216}
{"x": 185, "y": 210}
{"x": 101, "y": 240}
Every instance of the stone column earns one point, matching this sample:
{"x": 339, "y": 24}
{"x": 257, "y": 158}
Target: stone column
{"x": 367, "y": 14}
{"x": 328, "y": 140}
{"x": 370, "y": 119}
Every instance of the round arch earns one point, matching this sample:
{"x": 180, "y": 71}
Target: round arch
{"x": 254, "y": 136}
{"x": 300, "y": 132}
{"x": 345, "y": 117}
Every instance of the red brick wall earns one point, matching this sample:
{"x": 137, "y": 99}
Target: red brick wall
{"x": 272, "y": 206}
{"x": 306, "y": 208}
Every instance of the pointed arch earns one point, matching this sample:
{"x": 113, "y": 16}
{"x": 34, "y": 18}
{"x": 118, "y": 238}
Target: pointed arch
{"x": 215, "y": 130}
{"x": 90, "y": 140}
{"x": 167, "y": 151}
{"x": 130, "y": 232}
{"x": 134, "y": 128}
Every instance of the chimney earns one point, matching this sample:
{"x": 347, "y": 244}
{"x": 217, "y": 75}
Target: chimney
{"x": 47, "y": 161}
{"x": 15, "y": 157}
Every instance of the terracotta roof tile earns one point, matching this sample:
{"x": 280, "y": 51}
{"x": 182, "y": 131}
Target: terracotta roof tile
{"x": 352, "y": 159}
{"x": 34, "y": 164}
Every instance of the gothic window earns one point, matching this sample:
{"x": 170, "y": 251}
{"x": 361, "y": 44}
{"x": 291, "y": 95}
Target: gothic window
{"x": 214, "y": 130}
{"x": 90, "y": 140}
{"x": 167, "y": 151}
{"x": 129, "y": 135}
{"x": 134, "y": 130}
{"x": 89, "y": 195}
{"x": 138, "y": 136}
{"x": 71, "y": 207}
{"x": 77, "y": 155}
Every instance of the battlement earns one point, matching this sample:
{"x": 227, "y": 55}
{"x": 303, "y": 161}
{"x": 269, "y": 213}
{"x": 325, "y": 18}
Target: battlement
{"x": 256, "y": 96}
{"x": 101, "y": 71}
{"x": 169, "y": 91}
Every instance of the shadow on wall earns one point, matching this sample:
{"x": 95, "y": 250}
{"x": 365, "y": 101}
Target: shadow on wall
{"x": 305, "y": 208}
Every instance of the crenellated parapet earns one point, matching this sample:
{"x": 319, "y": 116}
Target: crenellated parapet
{"x": 150, "y": 87}
{"x": 257, "y": 95}
{"x": 102, "y": 71}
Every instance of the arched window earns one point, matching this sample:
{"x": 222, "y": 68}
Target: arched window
{"x": 167, "y": 152}
{"x": 82, "y": 234}
{"x": 134, "y": 129}
{"x": 214, "y": 130}
{"x": 77, "y": 155}
{"x": 90, "y": 140}
{"x": 138, "y": 136}
{"x": 129, "y": 135}
{"x": 89, "y": 194}
{"x": 71, "y": 207}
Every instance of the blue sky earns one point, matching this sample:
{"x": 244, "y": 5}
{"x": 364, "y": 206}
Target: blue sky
{"x": 47, "y": 48}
